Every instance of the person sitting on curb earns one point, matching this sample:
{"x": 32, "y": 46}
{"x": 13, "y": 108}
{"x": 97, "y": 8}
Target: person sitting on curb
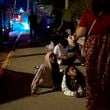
{"x": 61, "y": 51}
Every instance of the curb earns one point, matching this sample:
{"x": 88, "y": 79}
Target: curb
{"x": 7, "y": 60}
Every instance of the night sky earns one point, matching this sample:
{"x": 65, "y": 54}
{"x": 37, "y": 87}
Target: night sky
{"x": 19, "y": 3}
{"x": 23, "y": 3}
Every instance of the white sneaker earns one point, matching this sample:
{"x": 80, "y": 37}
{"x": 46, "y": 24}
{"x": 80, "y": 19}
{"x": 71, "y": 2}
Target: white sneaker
{"x": 82, "y": 64}
{"x": 51, "y": 45}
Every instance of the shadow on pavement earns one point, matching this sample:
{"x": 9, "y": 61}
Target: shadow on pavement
{"x": 14, "y": 85}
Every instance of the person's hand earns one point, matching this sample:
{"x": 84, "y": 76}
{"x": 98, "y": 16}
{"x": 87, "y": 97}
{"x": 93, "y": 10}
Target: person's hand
{"x": 70, "y": 54}
{"x": 75, "y": 37}
{"x": 75, "y": 93}
{"x": 64, "y": 57}
{"x": 35, "y": 92}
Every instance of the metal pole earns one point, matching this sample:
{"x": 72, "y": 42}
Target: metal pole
{"x": 27, "y": 5}
{"x": 15, "y": 5}
{"x": 66, "y": 4}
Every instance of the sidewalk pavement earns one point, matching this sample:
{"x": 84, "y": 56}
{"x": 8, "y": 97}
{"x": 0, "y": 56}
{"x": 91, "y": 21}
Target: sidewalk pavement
{"x": 16, "y": 80}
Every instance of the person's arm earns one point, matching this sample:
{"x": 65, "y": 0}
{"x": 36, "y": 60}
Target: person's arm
{"x": 58, "y": 53}
{"x": 65, "y": 88}
{"x": 55, "y": 51}
{"x": 38, "y": 79}
{"x": 60, "y": 26}
{"x": 71, "y": 40}
{"x": 81, "y": 29}
{"x": 80, "y": 32}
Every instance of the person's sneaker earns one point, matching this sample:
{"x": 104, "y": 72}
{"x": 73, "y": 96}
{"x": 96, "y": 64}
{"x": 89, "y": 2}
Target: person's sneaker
{"x": 82, "y": 64}
{"x": 51, "y": 45}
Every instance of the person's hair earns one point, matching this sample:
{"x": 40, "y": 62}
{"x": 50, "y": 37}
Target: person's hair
{"x": 64, "y": 42}
{"x": 52, "y": 54}
{"x": 100, "y": 5}
{"x": 31, "y": 12}
{"x": 79, "y": 76}
{"x": 55, "y": 71}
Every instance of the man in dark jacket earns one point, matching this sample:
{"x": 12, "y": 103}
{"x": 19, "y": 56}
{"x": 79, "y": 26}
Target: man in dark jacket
{"x": 33, "y": 23}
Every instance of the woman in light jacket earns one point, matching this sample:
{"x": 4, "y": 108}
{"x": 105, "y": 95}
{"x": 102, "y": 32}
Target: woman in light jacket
{"x": 47, "y": 75}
